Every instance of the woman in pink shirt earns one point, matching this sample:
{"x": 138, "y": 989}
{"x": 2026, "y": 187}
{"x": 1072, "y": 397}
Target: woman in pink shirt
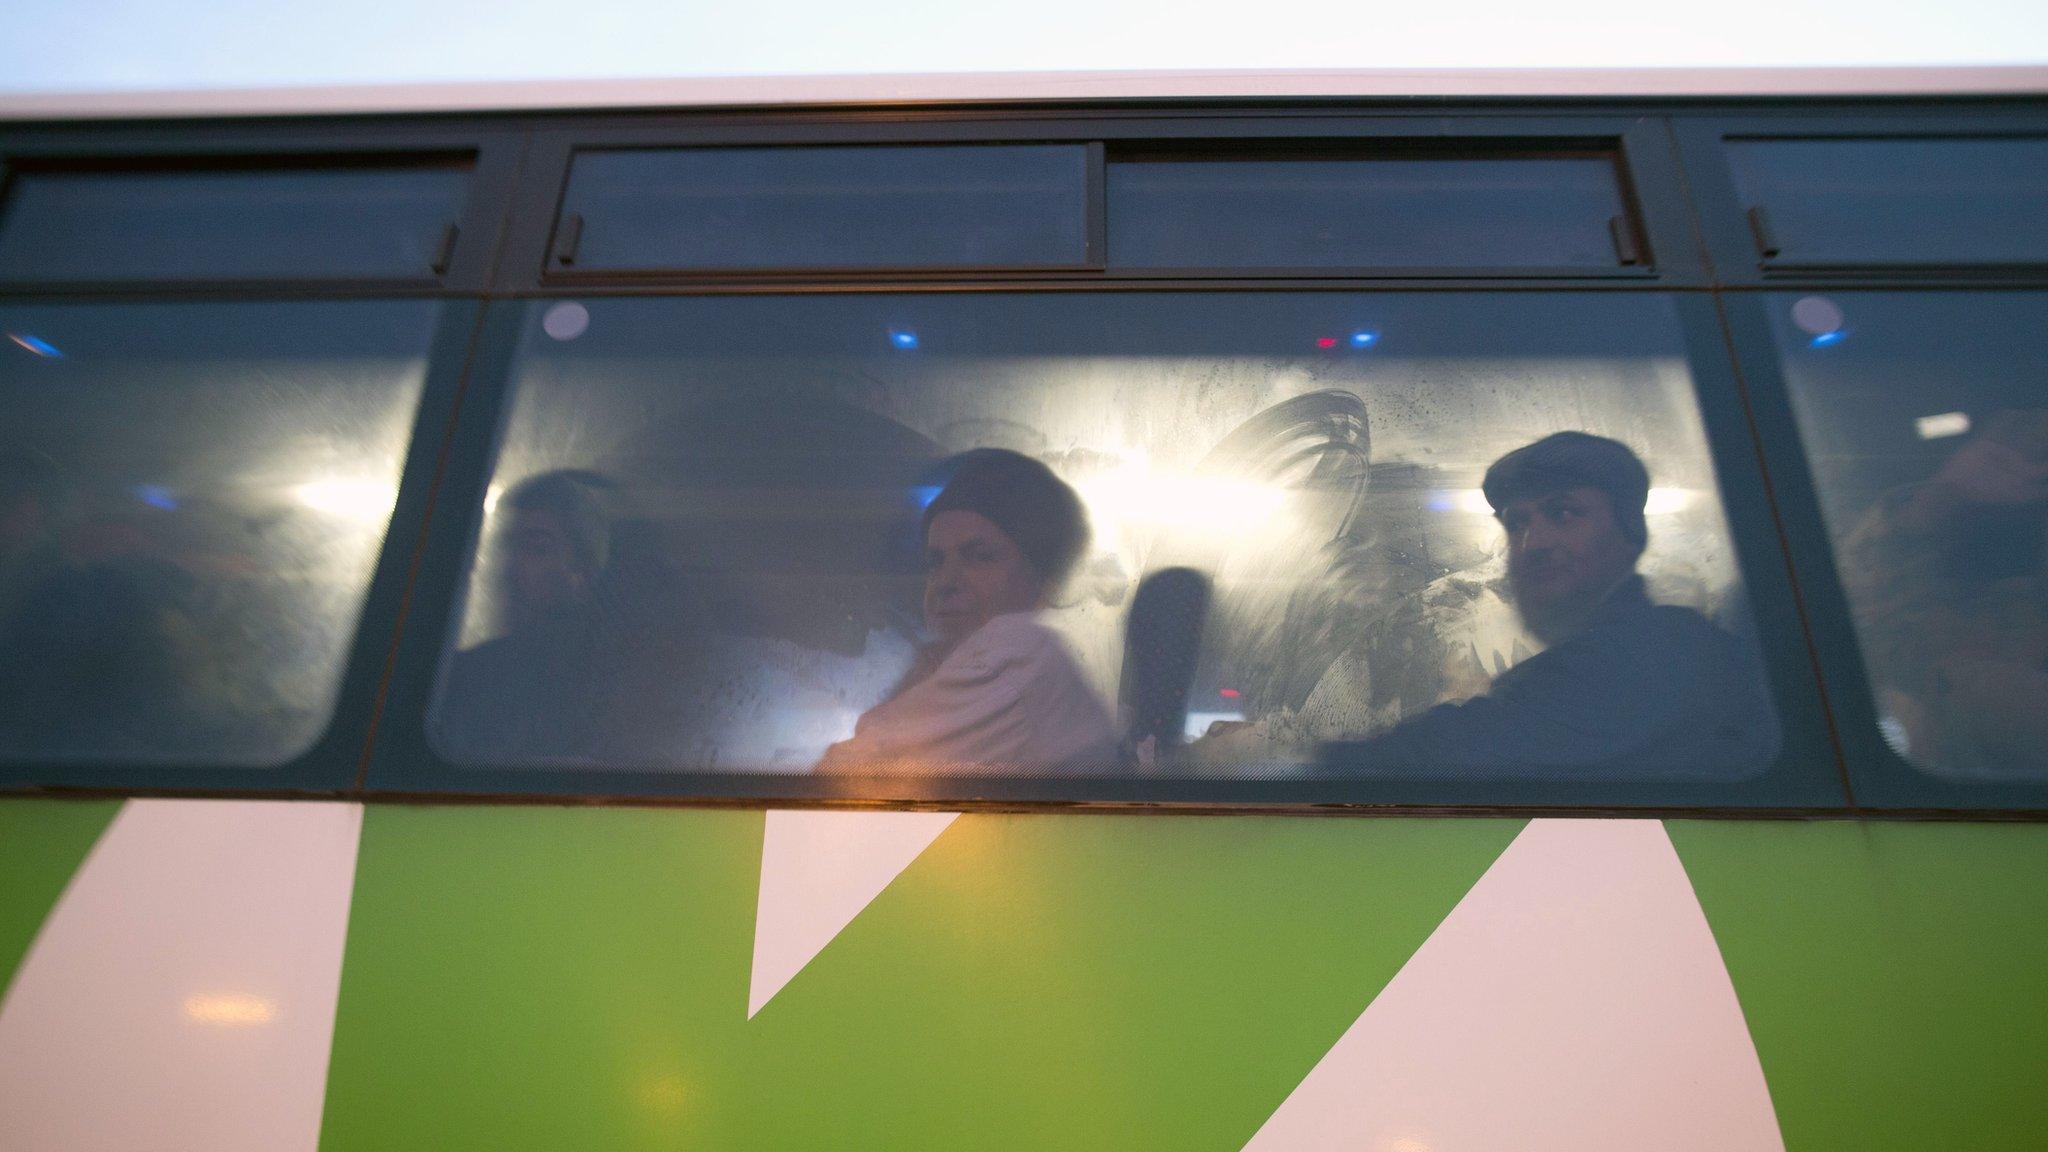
{"x": 996, "y": 690}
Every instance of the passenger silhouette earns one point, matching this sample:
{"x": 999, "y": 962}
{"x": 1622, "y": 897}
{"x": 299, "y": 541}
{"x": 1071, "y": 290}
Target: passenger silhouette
{"x": 537, "y": 690}
{"x": 31, "y": 492}
{"x": 1949, "y": 579}
{"x": 109, "y": 659}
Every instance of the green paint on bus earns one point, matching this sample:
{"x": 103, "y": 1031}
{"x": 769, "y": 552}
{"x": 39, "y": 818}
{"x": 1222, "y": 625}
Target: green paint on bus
{"x": 1894, "y": 976}
{"x": 42, "y": 843}
{"x": 548, "y": 978}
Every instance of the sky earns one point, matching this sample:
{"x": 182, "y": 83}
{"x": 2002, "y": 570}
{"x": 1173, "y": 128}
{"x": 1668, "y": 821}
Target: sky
{"x": 65, "y": 46}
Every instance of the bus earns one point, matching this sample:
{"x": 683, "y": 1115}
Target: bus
{"x": 1259, "y": 613}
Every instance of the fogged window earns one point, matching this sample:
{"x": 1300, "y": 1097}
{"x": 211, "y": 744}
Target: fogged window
{"x": 840, "y": 534}
{"x": 101, "y": 223}
{"x": 921, "y": 206}
{"x": 1896, "y": 201}
{"x": 192, "y": 497}
{"x": 1926, "y": 418}
{"x": 1486, "y": 212}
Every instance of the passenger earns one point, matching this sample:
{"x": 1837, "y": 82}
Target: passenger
{"x": 534, "y": 692}
{"x": 995, "y": 690}
{"x": 109, "y": 659}
{"x": 1949, "y": 581}
{"x": 30, "y": 492}
{"x": 1624, "y": 688}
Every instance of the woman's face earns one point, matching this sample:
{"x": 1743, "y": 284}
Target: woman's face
{"x": 973, "y": 572}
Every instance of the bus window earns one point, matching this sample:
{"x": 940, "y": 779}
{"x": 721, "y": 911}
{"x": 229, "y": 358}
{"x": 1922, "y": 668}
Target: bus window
{"x": 1232, "y": 535}
{"x": 1924, "y": 419}
{"x": 192, "y": 498}
{"x": 989, "y": 206}
{"x": 1898, "y": 201}
{"x": 1172, "y": 210}
{"x": 258, "y": 220}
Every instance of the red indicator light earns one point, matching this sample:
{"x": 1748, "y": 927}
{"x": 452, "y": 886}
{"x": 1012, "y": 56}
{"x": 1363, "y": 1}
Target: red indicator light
{"x": 1227, "y": 693}
{"x": 1326, "y": 341}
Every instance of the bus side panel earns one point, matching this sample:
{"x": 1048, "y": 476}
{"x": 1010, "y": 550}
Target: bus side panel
{"x": 551, "y": 978}
{"x": 1892, "y": 975}
{"x": 42, "y": 843}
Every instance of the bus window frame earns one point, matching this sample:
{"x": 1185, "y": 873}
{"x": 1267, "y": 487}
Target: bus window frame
{"x": 1651, "y": 186}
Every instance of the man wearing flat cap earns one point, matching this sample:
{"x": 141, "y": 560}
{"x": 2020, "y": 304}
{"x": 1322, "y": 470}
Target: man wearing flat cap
{"x": 995, "y": 689}
{"x": 1623, "y": 686}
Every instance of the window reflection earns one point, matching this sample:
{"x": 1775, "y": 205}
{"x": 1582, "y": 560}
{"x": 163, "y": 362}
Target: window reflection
{"x": 1288, "y": 548}
{"x": 192, "y": 498}
{"x": 1930, "y": 447}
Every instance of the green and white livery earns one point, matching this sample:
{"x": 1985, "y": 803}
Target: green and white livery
{"x": 233, "y": 975}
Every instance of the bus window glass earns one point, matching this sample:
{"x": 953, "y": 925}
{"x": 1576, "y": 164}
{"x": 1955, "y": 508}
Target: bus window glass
{"x": 192, "y": 498}
{"x": 1925, "y": 416}
{"x": 1524, "y": 212}
{"x": 282, "y": 223}
{"x": 1049, "y": 535}
{"x": 991, "y": 206}
{"x": 1898, "y": 201}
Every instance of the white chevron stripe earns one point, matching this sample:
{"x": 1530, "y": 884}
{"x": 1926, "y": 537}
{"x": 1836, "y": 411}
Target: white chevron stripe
{"x": 818, "y": 870}
{"x": 1574, "y": 1001}
{"x": 181, "y": 995}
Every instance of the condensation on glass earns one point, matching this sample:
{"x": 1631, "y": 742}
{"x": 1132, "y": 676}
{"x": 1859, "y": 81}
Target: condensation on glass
{"x": 1167, "y": 211}
{"x": 704, "y": 549}
{"x": 993, "y": 206}
{"x": 274, "y": 221}
{"x": 1896, "y": 200}
{"x": 192, "y": 499}
{"x": 1925, "y": 417}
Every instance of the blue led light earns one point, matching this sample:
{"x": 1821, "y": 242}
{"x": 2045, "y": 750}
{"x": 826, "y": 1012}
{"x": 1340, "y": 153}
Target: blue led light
{"x": 924, "y": 496}
{"x": 1827, "y": 338}
{"x": 902, "y": 339}
{"x": 157, "y": 496}
{"x": 1364, "y": 339}
{"x": 37, "y": 345}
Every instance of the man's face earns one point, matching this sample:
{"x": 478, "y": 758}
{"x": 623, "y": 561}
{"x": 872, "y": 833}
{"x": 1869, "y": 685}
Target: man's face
{"x": 1566, "y": 552}
{"x": 540, "y": 567}
{"x": 973, "y": 572}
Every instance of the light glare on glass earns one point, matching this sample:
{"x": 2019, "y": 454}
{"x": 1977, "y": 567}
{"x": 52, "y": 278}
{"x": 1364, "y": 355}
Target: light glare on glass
{"x": 1944, "y": 425}
{"x": 566, "y": 321}
{"x": 37, "y": 345}
{"x": 1219, "y": 504}
{"x": 369, "y": 501}
{"x": 1665, "y": 501}
{"x": 1818, "y": 316}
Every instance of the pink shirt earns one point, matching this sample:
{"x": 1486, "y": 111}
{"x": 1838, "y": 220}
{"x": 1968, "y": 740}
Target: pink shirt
{"x": 1010, "y": 698}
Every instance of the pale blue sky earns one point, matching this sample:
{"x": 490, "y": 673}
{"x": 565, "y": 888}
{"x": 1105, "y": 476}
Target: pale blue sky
{"x": 107, "y": 45}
